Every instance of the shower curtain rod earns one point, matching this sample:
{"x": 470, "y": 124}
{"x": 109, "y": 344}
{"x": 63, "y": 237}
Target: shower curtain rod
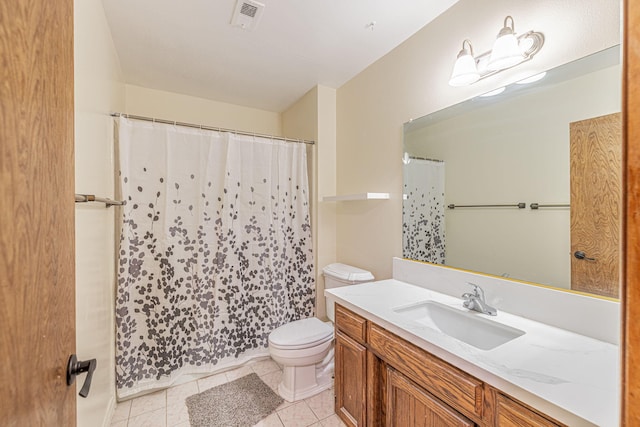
{"x": 205, "y": 127}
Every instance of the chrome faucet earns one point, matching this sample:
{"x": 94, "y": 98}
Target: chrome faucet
{"x": 475, "y": 301}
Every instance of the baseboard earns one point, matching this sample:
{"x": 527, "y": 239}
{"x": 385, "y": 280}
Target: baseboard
{"x": 111, "y": 408}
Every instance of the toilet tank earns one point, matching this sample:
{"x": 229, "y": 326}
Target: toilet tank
{"x": 336, "y": 275}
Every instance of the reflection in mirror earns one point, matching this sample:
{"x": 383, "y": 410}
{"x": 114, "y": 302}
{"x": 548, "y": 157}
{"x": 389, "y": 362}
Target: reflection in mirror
{"x": 524, "y": 184}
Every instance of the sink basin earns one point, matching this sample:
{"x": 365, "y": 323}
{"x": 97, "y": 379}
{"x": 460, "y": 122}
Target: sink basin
{"x": 465, "y": 326}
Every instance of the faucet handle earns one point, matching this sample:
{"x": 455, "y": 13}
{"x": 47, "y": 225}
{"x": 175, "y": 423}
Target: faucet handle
{"x": 477, "y": 290}
{"x": 467, "y": 300}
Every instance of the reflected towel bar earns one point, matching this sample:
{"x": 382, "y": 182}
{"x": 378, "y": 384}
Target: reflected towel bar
{"x": 84, "y": 198}
{"x": 538, "y": 206}
{"x": 520, "y": 205}
{"x": 425, "y": 158}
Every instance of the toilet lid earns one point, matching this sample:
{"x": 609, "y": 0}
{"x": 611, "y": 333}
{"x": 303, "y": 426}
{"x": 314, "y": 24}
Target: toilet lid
{"x": 301, "y": 333}
{"x": 347, "y": 272}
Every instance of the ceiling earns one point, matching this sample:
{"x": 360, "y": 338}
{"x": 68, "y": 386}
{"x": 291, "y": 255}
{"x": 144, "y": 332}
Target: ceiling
{"x": 190, "y": 46}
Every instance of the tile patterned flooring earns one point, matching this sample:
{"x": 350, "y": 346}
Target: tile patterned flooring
{"x": 167, "y": 408}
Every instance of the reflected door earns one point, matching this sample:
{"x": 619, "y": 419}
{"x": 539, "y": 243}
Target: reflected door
{"x": 596, "y": 193}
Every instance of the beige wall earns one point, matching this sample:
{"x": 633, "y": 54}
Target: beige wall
{"x": 184, "y": 108}
{"x": 314, "y": 117}
{"x": 300, "y": 120}
{"x": 98, "y": 91}
{"x": 411, "y": 81}
{"x": 326, "y": 178}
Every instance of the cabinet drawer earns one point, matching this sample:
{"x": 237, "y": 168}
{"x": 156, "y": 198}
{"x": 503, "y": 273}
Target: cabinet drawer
{"x": 351, "y": 324}
{"x": 510, "y": 413}
{"x": 455, "y": 387}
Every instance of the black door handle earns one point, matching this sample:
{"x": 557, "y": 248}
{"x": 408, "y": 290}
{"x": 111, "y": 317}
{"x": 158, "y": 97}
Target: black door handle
{"x": 582, "y": 255}
{"x": 75, "y": 367}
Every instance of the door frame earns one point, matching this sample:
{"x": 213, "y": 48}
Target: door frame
{"x": 630, "y": 348}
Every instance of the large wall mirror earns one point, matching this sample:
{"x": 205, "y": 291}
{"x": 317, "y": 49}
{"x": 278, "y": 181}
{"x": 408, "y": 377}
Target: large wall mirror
{"x": 524, "y": 184}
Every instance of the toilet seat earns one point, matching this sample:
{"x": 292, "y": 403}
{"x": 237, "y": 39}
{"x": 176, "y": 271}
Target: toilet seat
{"x": 300, "y": 334}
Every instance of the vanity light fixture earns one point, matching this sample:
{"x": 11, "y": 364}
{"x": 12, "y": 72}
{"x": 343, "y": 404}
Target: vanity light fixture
{"x": 508, "y": 51}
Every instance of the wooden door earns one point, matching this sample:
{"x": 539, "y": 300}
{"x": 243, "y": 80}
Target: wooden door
{"x": 37, "y": 299}
{"x": 596, "y": 204}
{"x": 350, "y": 377}
{"x": 410, "y": 406}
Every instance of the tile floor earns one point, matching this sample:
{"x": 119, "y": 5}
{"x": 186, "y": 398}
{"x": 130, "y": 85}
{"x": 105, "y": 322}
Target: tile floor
{"x": 167, "y": 408}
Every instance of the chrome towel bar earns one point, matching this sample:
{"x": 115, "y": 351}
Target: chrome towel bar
{"x": 84, "y": 198}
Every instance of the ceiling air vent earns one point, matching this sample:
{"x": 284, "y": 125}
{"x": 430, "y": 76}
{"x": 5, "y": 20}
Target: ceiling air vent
{"x": 247, "y": 14}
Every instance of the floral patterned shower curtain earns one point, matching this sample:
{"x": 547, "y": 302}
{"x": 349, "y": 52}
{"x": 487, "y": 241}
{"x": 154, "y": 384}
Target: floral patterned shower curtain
{"x": 423, "y": 227}
{"x": 215, "y": 250}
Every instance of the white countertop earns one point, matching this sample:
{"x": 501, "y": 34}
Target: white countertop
{"x": 570, "y": 377}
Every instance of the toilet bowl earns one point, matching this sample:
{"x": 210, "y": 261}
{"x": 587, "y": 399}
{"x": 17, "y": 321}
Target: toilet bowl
{"x": 304, "y": 347}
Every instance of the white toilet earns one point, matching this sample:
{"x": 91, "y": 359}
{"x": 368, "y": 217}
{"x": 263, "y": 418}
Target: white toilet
{"x": 304, "y": 348}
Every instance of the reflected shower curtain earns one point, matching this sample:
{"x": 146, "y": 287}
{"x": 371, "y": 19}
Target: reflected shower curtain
{"x": 423, "y": 228}
{"x": 215, "y": 250}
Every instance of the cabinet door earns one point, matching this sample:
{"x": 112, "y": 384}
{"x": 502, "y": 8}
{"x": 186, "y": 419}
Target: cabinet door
{"x": 350, "y": 372}
{"x": 410, "y": 406}
{"x": 448, "y": 383}
{"x": 513, "y": 414}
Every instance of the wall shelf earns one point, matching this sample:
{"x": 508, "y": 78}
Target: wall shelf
{"x": 358, "y": 196}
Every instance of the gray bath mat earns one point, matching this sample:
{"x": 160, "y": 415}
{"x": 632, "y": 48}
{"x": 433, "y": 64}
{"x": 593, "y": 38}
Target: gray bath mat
{"x": 239, "y": 403}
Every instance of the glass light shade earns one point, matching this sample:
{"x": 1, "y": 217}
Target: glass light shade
{"x": 465, "y": 71}
{"x": 505, "y": 53}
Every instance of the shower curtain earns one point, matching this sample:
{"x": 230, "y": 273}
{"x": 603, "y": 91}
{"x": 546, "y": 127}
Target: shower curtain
{"x": 423, "y": 230}
{"x": 215, "y": 250}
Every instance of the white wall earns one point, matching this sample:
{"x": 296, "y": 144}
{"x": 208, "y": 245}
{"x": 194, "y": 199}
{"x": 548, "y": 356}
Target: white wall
{"x": 514, "y": 150}
{"x": 98, "y": 91}
{"x": 411, "y": 81}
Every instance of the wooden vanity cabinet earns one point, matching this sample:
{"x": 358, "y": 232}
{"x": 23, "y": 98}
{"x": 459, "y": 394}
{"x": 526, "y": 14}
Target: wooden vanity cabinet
{"x": 350, "y": 367}
{"x": 383, "y": 380}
